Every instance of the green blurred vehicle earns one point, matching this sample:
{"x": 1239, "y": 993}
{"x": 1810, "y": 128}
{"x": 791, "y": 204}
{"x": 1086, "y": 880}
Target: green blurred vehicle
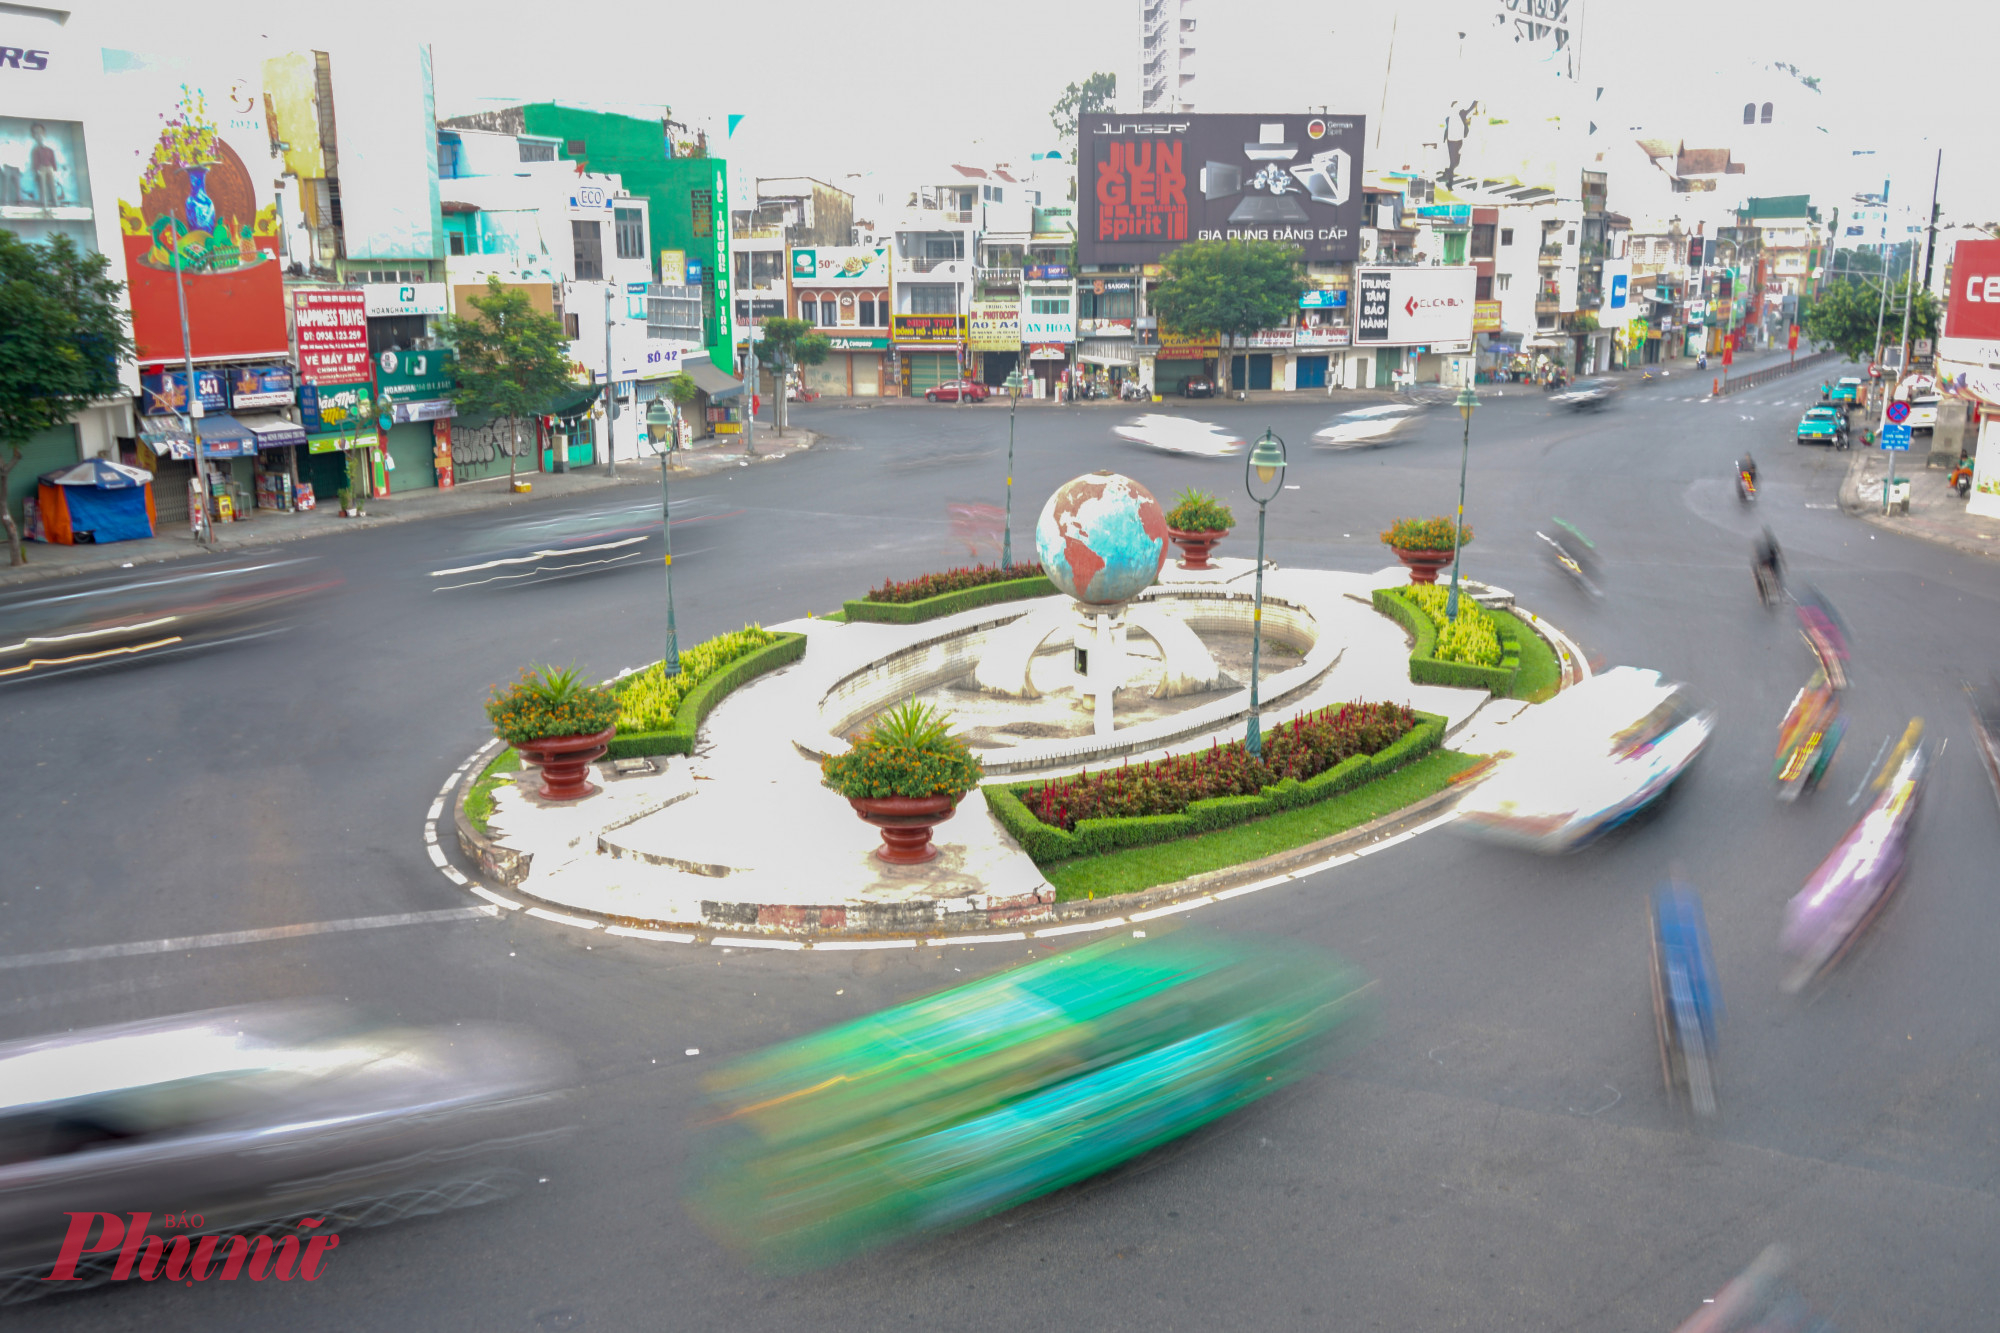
{"x": 1823, "y": 425}
{"x": 1847, "y": 390}
{"x": 965, "y": 1103}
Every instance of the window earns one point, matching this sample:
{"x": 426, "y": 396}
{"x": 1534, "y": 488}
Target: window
{"x": 1766, "y": 116}
{"x": 457, "y": 242}
{"x": 932, "y": 298}
{"x": 701, "y": 204}
{"x": 630, "y": 225}
{"x": 809, "y": 309}
{"x": 1048, "y": 305}
{"x": 1482, "y": 290}
{"x": 532, "y": 151}
{"x": 1502, "y": 281}
{"x": 1572, "y": 237}
{"x": 868, "y": 312}
{"x": 1454, "y": 247}
{"x": 570, "y": 329}
{"x": 944, "y": 247}
{"x": 1749, "y": 113}
{"x": 1482, "y": 240}
{"x": 589, "y": 250}
{"x": 1506, "y": 236}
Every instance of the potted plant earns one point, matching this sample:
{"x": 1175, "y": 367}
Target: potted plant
{"x": 348, "y": 507}
{"x": 1424, "y": 545}
{"x": 556, "y": 724}
{"x": 905, "y": 775}
{"x": 1196, "y": 523}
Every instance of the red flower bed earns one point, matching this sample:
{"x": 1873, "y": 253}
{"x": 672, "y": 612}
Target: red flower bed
{"x": 1302, "y": 748}
{"x": 951, "y": 580}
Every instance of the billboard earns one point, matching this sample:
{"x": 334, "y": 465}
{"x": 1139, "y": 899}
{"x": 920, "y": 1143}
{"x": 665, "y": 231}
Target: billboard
{"x": 996, "y": 325}
{"x": 388, "y": 150}
{"x": 1407, "y": 306}
{"x": 332, "y": 324}
{"x": 195, "y": 194}
{"x": 841, "y": 266}
{"x": 1974, "y": 310}
{"x": 1149, "y": 183}
{"x": 1617, "y": 307}
{"x": 927, "y": 328}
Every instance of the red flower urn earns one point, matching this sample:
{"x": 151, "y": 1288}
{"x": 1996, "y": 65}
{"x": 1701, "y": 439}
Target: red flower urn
{"x": 906, "y": 823}
{"x": 565, "y": 763}
{"x": 1424, "y": 566}
{"x": 1195, "y": 546}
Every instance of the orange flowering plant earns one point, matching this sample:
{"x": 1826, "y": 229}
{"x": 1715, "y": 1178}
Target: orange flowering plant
{"x": 549, "y": 701}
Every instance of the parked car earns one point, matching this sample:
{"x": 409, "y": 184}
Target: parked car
{"x": 1823, "y": 425}
{"x": 1198, "y": 386}
{"x": 952, "y": 391}
{"x": 1846, "y": 390}
{"x": 1923, "y": 413}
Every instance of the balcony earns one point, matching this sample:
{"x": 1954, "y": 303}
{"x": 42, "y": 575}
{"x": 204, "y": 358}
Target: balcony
{"x": 1000, "y": 278}
{"x": 929, "y": 263}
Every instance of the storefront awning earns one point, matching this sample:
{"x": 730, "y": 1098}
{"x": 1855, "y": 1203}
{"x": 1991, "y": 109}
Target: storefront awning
{"x": 222, "y": 436}
{"x": 710, "y": 380}
{"x": 273, "y": 432}
{"x": 572, "y": 402}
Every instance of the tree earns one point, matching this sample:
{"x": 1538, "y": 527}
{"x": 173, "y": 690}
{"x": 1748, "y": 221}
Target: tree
{"x": 681, "y": 389}
{"x": 785, "y": 343}
{"x": 512, "y": 359}
{"x": 62, "y": 335}
{"x": 1080, "y": 100}
{"x": 1231, "y": 288}
{"x": 1845, "y": 313}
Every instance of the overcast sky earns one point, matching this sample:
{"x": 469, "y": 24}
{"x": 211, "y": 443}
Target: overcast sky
{"x": 829, "y": 88}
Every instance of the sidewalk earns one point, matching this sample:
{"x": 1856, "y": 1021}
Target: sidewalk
{"x": 262, "y": 527}
{"x": 1937, "y": 513}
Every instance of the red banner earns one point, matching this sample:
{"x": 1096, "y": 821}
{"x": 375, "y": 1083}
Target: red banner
{"x": 1974, "y": 311}
{"x": 1792, "y": 341}
{"x": 332, "y": 324}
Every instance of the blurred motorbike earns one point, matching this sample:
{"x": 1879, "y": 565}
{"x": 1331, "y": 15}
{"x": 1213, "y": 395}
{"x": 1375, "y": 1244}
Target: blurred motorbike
{"x": 966, "y": 1103}
{"x": 1757, "y": 1301}
{"x": 1575, "y": 555}
{"x": 1808, "y": 738}
{"x": 1986, "y": 730}
{"x": 1687, "y": 1004}
{"x": 1746, "y": 486}
{"x": 1851, "y": 886}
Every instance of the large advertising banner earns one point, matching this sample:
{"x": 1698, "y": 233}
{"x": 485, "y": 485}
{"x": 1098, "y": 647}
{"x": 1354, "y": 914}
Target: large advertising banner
{"x": 1149, "y": 183}
{"x": 841, "y": 266}
{"x": 1402, "y": 307}
{"x": 1972, "y": 317}
{"x": 195, "y": 195}
{"x": 996, "y": 325}
{"x": 332, "y": 325}
{"x": 388, "y": 149}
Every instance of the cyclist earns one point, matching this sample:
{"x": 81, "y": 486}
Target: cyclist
{"x": 1769, "y": 565}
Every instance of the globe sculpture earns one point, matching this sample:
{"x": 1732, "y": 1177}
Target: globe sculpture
{"x": 1102, "y": 538}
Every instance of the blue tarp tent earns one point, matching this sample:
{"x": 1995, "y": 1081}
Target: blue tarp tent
{"x": 95, "y": 501}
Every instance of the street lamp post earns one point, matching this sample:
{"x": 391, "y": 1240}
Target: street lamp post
{"x": 1013, "y": 387}
{"x": 658, "y": 418}
{"x": 1467, "y": 401}
{"x": 1263, "y": 478}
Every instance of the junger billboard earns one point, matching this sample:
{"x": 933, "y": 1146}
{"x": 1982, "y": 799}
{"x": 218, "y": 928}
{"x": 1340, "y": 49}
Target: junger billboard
{"x": 1149, "y": 183}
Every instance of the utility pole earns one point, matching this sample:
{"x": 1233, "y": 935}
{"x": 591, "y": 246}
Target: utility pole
{"x": 1930, "y": 234}
{"x": 610, "y": 392}
{"x": 202, "y": 532}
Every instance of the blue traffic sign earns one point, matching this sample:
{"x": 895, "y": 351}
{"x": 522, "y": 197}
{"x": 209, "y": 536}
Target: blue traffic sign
{"x": 1896, "y": 435}
{"x": 1898, "y": 412}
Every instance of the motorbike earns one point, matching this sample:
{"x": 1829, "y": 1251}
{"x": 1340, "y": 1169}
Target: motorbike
{"x": 1132, "y": 391}
{"x": 1687, "y": 1004}
{"x": 1986, "y": 730}
{"x": 1961, "y": 478}
{"x": 1808, "y": 738}
{"x": 1825, "y": 633}
{"x": 1770, "y": 585}
{"x": 1853, "y": 884}
{"x": 1746, "y": 486}
{"x": 1574, "y": 554}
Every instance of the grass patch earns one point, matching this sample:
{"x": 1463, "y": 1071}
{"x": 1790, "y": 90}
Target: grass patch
{"x": 1135, "y": 868}
{"x": 479, "y": 796}
{"x": 1540, "y": 675}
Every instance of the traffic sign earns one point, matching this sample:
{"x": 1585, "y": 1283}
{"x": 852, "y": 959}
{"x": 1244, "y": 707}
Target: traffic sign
{"x": 1898, "y": 412}
{"x": 1896, "y": 436}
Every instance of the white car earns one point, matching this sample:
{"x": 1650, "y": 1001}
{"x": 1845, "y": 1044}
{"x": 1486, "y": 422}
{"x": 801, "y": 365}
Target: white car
{"x": 1923, "y": 413}
{"x": 1366, "y": 426}
{"x": 1179, "y": 435}
{"x": 1589, "y": 759}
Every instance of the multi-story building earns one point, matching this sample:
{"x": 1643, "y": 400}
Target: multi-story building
{"x": 1788, "y": 231}
{"x": 1166, "y": 65}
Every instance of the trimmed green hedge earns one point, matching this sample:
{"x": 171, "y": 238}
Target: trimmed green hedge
{"x": 702, "y": 699}
{"x": 1046, "y": 843}
{"x": 1427, "y": 670}
{"x": 910, "y": 613}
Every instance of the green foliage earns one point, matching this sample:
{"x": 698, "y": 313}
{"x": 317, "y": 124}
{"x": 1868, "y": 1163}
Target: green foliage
{"x": 812, "y": 349}
{"x": 1427, "y": 669}
{"x": 1048, "y": 843}
{"x": 1423, "y": 534}
{"x": 479, "y": 796}
{"x": 696, "y": 704}
{"x": 778, "y": 340}
{"x": 648, "y": 699}
{"x": 62, "y": 335}
{"x": 1198, "y": 511}
{"x": 548, "y": 702}
{"x": 926, "y": 586}
{"x": 910, "y": 751}
{"x": 1081, "y": 99}
{"x": 1540, "y": 674}
{"x": 513, "y": 360}
{"x": 1142, "y": 867}
{"x": 1232, "y": 288}
{"x": 949, "y": 603}
{"x": 682, "y": 388}
{"x": 1471, "y": 638}
{"x": 1844, "y": 315}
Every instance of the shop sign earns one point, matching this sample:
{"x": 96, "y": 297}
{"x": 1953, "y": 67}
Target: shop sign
{"x": 339, "y": 444}
{"x": 996, "y": 326}
{"x": 409, "y": 298}
{"x": 1264, "y": 338}
{"x": 674, "y": 268}
{"x": 1048, "y": 273}
{"x": 1188, "y": 346}
{"x": 866, "y": 344}
{"x": 1102, "y": 285}
{"x": 1152, "y": 270}
{"x": 1323, "y": 300}
{"x": 403, "y": 376}
{"x": 327, "y": 408}
{"x": 166, "y": 392}
{"x": 426, "y": 409}
{"x": 1486, "y": 317}
{"x": 332, "y": 324}
{"x": 261, "y": 386}
{"x": 1974, "y": 310}
{"x": 1105, "y": 328}
{"x": 1452, "y": 215}
{"x": 1048, "y": 352}
{"x": 1323, "y": 335}
{"x": 927, "y": 328}
{"x": 842, "y": 266}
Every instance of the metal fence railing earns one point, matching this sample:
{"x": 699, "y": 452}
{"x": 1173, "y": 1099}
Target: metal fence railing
{"x": 1758, "y": 378}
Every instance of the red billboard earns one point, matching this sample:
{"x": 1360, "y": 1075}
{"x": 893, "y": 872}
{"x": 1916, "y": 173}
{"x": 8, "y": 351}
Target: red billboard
{"x": 332, "y": 324}
{"x": 1974, "y": 311}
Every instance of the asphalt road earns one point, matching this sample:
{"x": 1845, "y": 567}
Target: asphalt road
{"x": 1501, "y": 1157}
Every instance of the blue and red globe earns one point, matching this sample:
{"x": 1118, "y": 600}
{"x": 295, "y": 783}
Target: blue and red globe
{"x": 1102, "y": 538}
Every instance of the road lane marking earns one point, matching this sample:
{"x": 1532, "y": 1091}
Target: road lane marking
{"x": 183, "y": 943}
{"x": 581, "y": 923}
